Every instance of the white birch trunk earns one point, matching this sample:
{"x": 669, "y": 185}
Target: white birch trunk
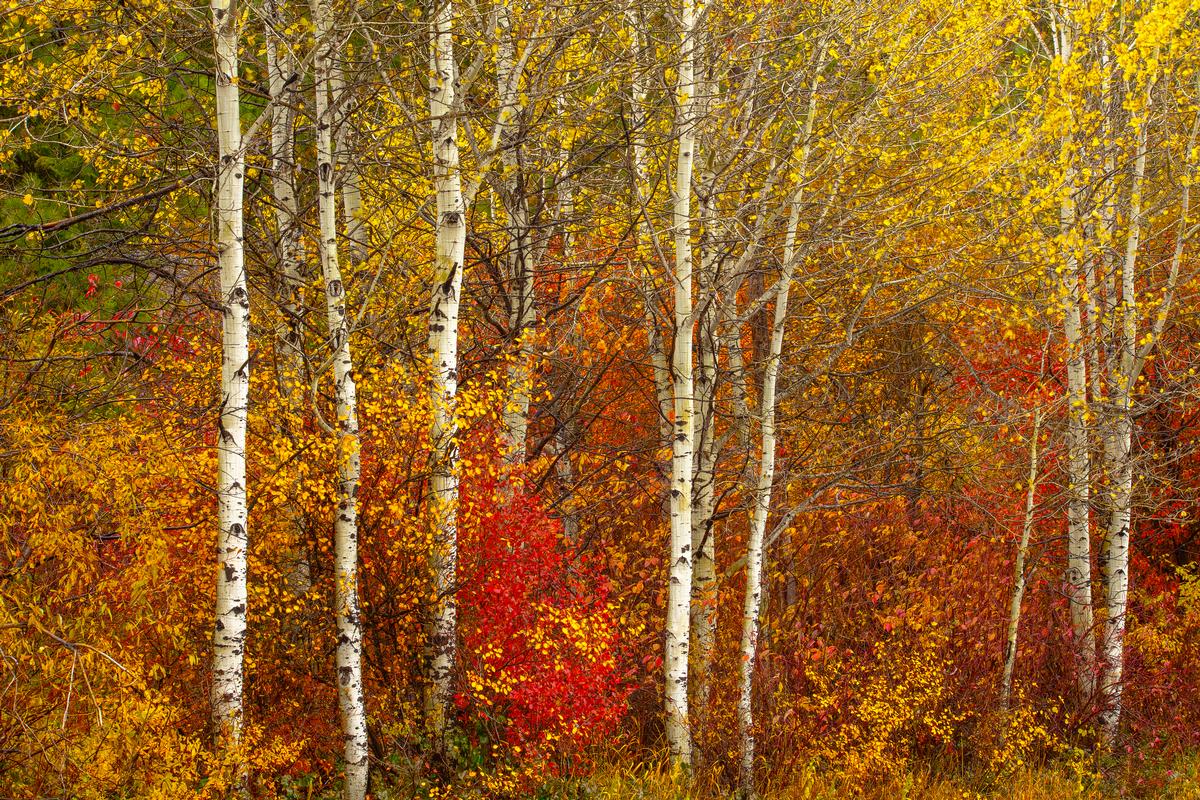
{"x": 1079, "y": 547}
{"x": 1018, "y": 591}
{"x": 568, "y": 435}
{"x": 641, "y": 234}
{"x": 752, "y": 606}
{"x": 1119, "y": 446}
{"x": 1079, "y": 560}
{"x": 680, "y": 577}
{"x": 351, "y": 701}
{"x": 704, "y": 572}
{"x": 283, "y": 82}
{"x": 1118, "y": 456}
{"x": 229, "y": 633}
{"x": 289, "y": 247}
{"x": 343, "y": 158}
{"x": 519, "y": 257}
{"x": 443, "y": 354}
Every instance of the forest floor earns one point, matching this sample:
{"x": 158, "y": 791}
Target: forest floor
{"x": 1050, "y": 783}
{"x": 1053, "y": 783}
{"x": 1130, "y": 779}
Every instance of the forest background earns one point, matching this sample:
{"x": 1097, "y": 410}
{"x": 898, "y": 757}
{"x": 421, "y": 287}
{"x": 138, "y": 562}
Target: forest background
{"x": 606, "y": 399}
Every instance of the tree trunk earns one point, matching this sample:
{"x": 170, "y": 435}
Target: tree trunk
{"x": 761, "y": 491}
{"x": 1079, "y": 560}
{"x": 752, "y": 606}
{"x": 443, "y": 355}
{"x": 680, "y": 589}
{"x": 1118, "y": 456}
{"x": 343, "y": 159}
{"x": 351, "y": 702}
{"x": 519, "y": 258}
{"x": 1079, "y": 546}
{"x": 289, "y": 248}
{"x": 704, "y": 574}
{"x": 229, "y": 633}
{"x": 1018, "y": 591}
{"x": 283, "y": 82}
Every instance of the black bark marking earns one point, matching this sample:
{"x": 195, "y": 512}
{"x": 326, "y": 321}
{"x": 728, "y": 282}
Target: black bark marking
{"x": 447, "y": 287}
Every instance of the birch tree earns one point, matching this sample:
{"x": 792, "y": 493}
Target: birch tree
{"x": 1019, "y": 576}
{"x": 229, "y": 632}
{"x": 1134, "y": 345}
{"x": 351, "y": 702}
{"x": 761, "y": 494}
{"x": 1067, "y": 274}
{"x": 443, "y": 354}
{"x": 519, "y": 255}
{"x": 682, "y": 443}
{"x": 704, "y": 475}
{"x": 283, "y": 84}
{"x": 643, "y": 232}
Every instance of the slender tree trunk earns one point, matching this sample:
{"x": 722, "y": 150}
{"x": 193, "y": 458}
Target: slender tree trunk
{"x": 443, "y": 355}
{"x": 351, "y": 702}
{"x": 283, "y": 82}
{"x": 289, "y": 249}
{"x": 568, "y": 435}
{"x": 1118, "y": 456}
{"x": 229, "y": 633}
{"x": 353, "y": 221}
{"x": 519, "y": 257}
{"x": 1079, "y": 543}
{"x": 641, "y": 233}
{"x": 680, "y": 589}
{"x": 1018, "y": 591}
{"x": 1119, "y": 445}
{"x": 1079, "y": 560}
{"x": 752, "y": 605}
{"x": 704, "y": 572}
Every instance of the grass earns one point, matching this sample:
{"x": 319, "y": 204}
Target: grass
{"x": 617, "y": 781}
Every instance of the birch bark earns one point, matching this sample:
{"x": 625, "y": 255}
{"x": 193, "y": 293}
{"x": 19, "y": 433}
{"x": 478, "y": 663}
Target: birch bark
{"x": 343, "y": 160}
{"x": 283, "y": 83}
{"x": 443, "y": 353}
{"x": 761, "y": 492}
{"x": 520, "y": 260}
{"x": 680, "y": 577}
{"x": 351, "y": 701}
{"x": 1018, "y": 591}
{"x": 1079, "y": 558}
{"x": 752, "y": 605}
{"x": 229, "y": 632}
{"x": 1118, "y": 451}
{"x": 704, "y": 569}
{"x": 1118, "y": 457}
